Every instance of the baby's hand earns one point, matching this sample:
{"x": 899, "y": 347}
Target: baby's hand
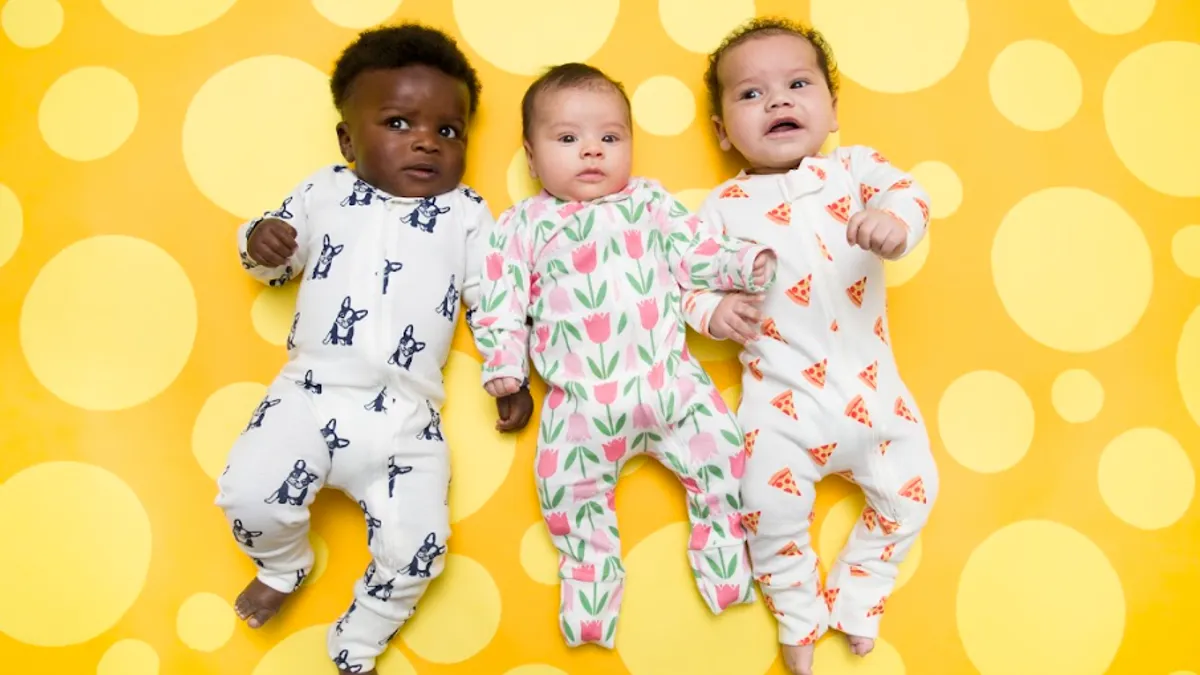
{"x": 514, "y": 410}
{"x": 764, "y": 266}
{"x": 272, "y": 242}
{"x": 877, "y": 231}
{"x": 736, "y": 318}
{"x": 502, "y": 386}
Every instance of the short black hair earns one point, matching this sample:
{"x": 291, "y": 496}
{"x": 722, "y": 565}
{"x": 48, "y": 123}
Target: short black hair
{"x": 566, "y": 76}
{"x": 407, "y": 44}
{"x": 770, "y": 26}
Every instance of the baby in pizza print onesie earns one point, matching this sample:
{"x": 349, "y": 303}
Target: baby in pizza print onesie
{"x": 821, "y": 389}
{"x": 597, "y": 261}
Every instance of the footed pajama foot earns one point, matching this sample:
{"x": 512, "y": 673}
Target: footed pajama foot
{"x": 861, "y": 646}
{"x": 798, "y": 660}
{"x": 257, "y": 603}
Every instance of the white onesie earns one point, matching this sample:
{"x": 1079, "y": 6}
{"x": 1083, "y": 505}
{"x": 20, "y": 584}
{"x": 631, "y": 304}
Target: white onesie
{"x": 357, "y": 406}
{"x": 821, "y": 393}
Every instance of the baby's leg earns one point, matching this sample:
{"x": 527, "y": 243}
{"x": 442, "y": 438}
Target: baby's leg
{"x": 901, "y": 484}
{"x": 275, "y": 469}
{"x": 407, "y": 525}
{"x": 576, "y": 491}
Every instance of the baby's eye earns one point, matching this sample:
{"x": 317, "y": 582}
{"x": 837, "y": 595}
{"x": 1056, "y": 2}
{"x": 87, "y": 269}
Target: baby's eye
{"x": 448, "y": 132}
{"x": 567, "y": 138}
{"x": 749, "y": 94}
{"x": 397, "y": 123}
{"x": 800, "y": 84}
{"x": 610, "y": 138}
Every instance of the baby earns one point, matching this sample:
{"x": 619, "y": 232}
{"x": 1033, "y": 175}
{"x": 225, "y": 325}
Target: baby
{"x": 383, "y": 253}
{"x": 597, "y": 261}
{"x": 821, "y": 390}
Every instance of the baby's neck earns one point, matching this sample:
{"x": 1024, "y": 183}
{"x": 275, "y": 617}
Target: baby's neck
{"x": 772, "y": 170}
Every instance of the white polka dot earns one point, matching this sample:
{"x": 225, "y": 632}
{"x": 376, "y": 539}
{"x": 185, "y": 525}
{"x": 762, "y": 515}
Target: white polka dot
{"x": 305, "y": 652}
{"x": 154, "y": 17}
{"x": 357, "y": 13}
{"x": 524, "y": 37}
{"x": 1080, "y": 302}
{"x": 835, "y": 659}
{"x": 236, "y": 114}
{"x": 1035, "y": 85}
{"x": 520, "y": 184}
{"x": 1185, "y": 246}
{"x": 90, "y": 511}
{"x": 1039, "y": 598}
{"x": 482, "y": 456}
{"x": 664, "y": 106}
{"x": 12, "y": 223}
{"x": 32, "y": 23}
{"x": 836, "y": 526}
{"x": 539, "y": 558}
{"x": 1152, "y": 122}
{"x": 88, "y": 113}
{"x": 205, "y": 622}
{"x": 1113, "y": 17}
{"x": 894, "y": 47}
{"x": 700, "y": 25}
{"x": 272, "y": 312}
{"x": 441, "y": 632}
{"x": 943, "y": 185}
{"x": 1146, "y": 478}
{"x": 986, "y": 421}
{"x": 96, "y": 293}
{"x": 1187, "y": 364}
{"x": 128, "y": 657}
{"x": 1077, "y": 395}
{"x": 665, "y": 626}
{"x": 221, "y": 420}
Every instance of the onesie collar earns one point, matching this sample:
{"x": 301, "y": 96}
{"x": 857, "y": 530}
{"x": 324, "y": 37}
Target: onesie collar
{"x": 384, "y": 196}
{"x": 805, "y": 179}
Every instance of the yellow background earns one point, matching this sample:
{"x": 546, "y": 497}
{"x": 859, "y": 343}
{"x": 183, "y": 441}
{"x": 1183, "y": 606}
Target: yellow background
{"x": 1050, "y": 331}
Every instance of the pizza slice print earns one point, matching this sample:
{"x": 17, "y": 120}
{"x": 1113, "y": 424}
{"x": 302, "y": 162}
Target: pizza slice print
{"x": 879, "y": 158}
{"x": 750, "y": 438}
{"x": 903, "y": 411}
{"x": 840, "y": 209}
{"x": 830, "y": 596}
{"x": 755, "y": 369}
{"x": 914, "y": 490}
{"x": 790, "y": 550}
{"x": 833, "y": 326}
{"x": 783, "y": 480}
{"x": 870, "y": 518}
{"x": 846, "y": 475}
{"x": 823, "y": 247}
{"x": 902, "y": 184}
{"x": 771, "y": 330}
{"x": 822, "y": 453}
{"x": 815, "y": 373}
{"x": 856, "y": 410}
{"x": 858, "y": 571}
{"x": 869, "y": 375}
{"x": 857, "y": 291}
{"x": 877, "y": 610}
{"x": 883, "y": 447}
{"x": 888, "y": 552}
{"x": 781, "y": 215}
{"x": 817, "y": 170}
{"x": 880, "y": 332}
{"x": 866, "y": 192}
{"x": 808, "y": 639}
{"x": 750, "y": 521}
{"x": 924, "y": 209}
{"x": 733, "y": 192}
{"x": 801, "y": 292}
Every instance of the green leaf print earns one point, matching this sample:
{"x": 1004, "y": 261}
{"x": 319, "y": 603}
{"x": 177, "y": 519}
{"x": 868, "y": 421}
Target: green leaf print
{"x": 488, "y": 342}
{"x": 595, "y": 369}
{"x": 633, "y": 281}
{"x": 699, "y": 267}
{"x": 600, "y": 294}
{"x": 716, "y": 473}
{"x": 731, "y": 567}
{"x": 609, "y": 478}
{"x": 577, "y": 391}
{"x": 704, "y": 513}
{"x": 603, "y": 601}
{"x": 622, "y": 323}
{"x": 616, "y": 535}
{"x": 628, "y": 387}
{"x": 716, "y": 569}
{"x": 587, "y": 604}
{"x": 639, "y": 439}
{"x": 580, "y": 515}
{"x": 558, "y": 497}
{"x": 616, "y": 248}
{"x": 590, "y": 455}
{"x": 583, "y": 299}
{"x": 731, "y": 437}
{"x": 550, "y": 371}
{"x": 567, "y": 629}
{"x": 677, "y": 209}
{"x": 703, "y": 410}
{"x": 596, "y": 508}
{"x": 624, "y": 212}
{"x": 674, "y": 462}
{"x": 612, "y": 366}
{"x": 645, "y": 355}
{"x": 612, "y": 628}
{"x": 571, "y": 457}
{"x": 587, "y": 226}
{"x": 655, "y": 437}
{"x": 573, "y": 330}
{"x": 671, "y": 406}
{"x": 601, "y": 426}
{"x": 718, "y": 529}
{"x": 579, "y": 555}
{"x": 571, "y": 234}
{"x": 557, "y": 430}
{"x": 619, "y": 425}
{"x": 650, "y": 282}
{"x": 639, "y": 212}
{"x": 558, "y": 266}
{"x": 733, "y": 502}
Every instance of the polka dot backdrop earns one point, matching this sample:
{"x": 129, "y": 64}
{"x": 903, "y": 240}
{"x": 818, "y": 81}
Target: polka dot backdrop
{"x": 1052, "y": 321}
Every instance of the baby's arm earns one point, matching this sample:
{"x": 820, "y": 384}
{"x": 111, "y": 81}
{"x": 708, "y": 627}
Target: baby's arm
{"x": 498, "y": 321}
{"x": 884, "y": 187}
{"x": 273, "y": 246}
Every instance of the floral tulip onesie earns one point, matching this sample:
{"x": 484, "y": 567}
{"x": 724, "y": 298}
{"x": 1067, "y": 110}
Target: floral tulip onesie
{"x": 602, "y": 282}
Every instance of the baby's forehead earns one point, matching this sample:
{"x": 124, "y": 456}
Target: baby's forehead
{"x": 417, "y": 84}
{"x": 586, "y": 102}
{"x": 768, "y": 51}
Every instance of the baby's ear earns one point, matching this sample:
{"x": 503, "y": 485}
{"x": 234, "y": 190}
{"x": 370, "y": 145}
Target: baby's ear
{"x": 529, "y": 160}
{"x": 835, "y": 115}
{"x": 722, "y": 137}
{"x": 344, "y": 144}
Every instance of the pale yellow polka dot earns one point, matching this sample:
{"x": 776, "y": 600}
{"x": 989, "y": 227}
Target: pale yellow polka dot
{"x": 665, "y": 626}
{"x": 700, "y": 25}
{"x": 1183, "y": 672}
{"x": 1039, "y": 598}
{"x": 663, "y": 106}
{"x": 1072, "y": 269}
{"x": 835, "y": 659}
{"x": 898, "y": 272}
{"x": 320, "y": 557}
{"x": 128, "y": 657}
{"x": 524, "y": 37}
{"x": 12, "y": 223}
{"x": 441, "y": 632}
{"x": 357, "y": 13}
{"x": 536, "y": 669}
{"x": 482, "y": 456}
{"x": 305, "y": 651}
{"x": 1035, "y": 85}
{"x": 1113, "y": 17}
{"x": 692, "y": 198}
{"x": 832, "y": 142}
{"x": 154, "y": 17}
{"x": 1185, "y": 246}
{"x": 1151, "y": 121}
{"x": 538, "y": 555}
{"x": 97, "y": 333}
{"x": 1187, "y": 364}
{"x": 235, "y": 114}
{"x": 943, "y": 185}
{"x": 88, "y": 113}
{"x": 986, "y": 421}
{"x": 89, "y": 511}
{"x": 32, "y": 23}
{"x": 836, "y": 526}
{"x": 520, "y": 184}
{"x": 272, "y": 312}
{"x": 1077, "y": 395}
{"x": 1146, "y": 478}
{"x": 732, "y": 397}
{"x": 634, "y": 464}
{"x": 205, "y": 622}
{"x": 221, "y": 420}
{"x": 894, "y": 47}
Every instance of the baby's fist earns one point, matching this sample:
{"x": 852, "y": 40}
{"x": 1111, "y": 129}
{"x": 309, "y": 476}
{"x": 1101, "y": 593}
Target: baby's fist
{"x": 764, "y": 268}
{"x": 272, "y": 242}
{"x": 502, "y": 386}
{"x": 877, "y": 231}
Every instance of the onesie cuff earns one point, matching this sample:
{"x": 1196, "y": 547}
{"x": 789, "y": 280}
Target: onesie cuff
{"x": 750, "y": 254}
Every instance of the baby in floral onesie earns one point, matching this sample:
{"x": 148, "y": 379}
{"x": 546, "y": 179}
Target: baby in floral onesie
{"x": 821, "y": 390}
{"x": 597, "y": 260}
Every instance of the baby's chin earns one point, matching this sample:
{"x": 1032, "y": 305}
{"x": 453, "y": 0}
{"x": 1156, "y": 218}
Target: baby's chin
{"x": 578, "y": 191}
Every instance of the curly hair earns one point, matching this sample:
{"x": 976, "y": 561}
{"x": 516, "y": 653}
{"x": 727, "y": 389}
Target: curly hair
{"x": 565, "y": 76}
{"x": 399, "y": 46}
{"x": 770, "y": 26}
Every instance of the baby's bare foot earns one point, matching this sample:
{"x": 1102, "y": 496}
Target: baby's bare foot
{"x": 861, "y": 646}
{"x": 257, "y": 603}
{"x": 799, "y": 660}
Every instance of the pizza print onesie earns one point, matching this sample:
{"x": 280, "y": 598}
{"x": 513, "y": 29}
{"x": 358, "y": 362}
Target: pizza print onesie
{"x": 821, "y": 390}
{"x": 357, "y": 405}
{"x": 602, "y": 282}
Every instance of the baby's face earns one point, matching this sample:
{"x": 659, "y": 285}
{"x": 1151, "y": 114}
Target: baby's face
{"x": 405, "y": 130}
{"x": 580, "y": 145}
{"x": 776, "y": 108}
